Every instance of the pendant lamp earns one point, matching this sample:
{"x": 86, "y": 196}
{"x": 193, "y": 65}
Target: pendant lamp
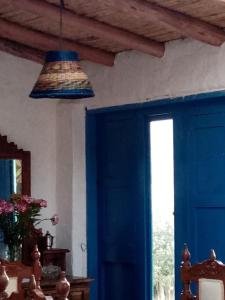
{"x": 61, "y": 76}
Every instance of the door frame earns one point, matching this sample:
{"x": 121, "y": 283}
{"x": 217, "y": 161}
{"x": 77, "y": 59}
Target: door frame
{"x": 155, "y": 110}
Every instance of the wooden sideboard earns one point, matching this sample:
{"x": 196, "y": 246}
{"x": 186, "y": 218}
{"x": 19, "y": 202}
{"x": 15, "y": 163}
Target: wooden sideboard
{"x": 54, "y": 256}
{"x": 79, "y": 288}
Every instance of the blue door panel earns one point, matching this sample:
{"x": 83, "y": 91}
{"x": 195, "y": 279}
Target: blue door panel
{"x": 206, "y": 172}
{"x": 202, "y": 163}
{"x": 199, "y": 164}
{"x": 207, "y": 134}
{"x": 123, "y": 269}
{"x": 206, "y": 220}
{"x": 119, "y": 281}
{"x": 119, "y": 225}
{"x": 120, "y": 152}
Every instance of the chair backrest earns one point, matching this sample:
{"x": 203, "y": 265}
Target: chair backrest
{"x": 17, "y": 273}
{"x": 209, "y": 276}
{"x": 34, "y": 292}
{"x": 62, "y": 290}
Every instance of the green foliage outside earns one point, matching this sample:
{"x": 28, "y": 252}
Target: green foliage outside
{"x": 163, "y": 261}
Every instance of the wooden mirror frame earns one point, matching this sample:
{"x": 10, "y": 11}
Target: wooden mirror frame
{"x": 11, "y": 151}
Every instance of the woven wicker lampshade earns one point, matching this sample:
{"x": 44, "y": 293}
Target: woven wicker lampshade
{"x": 62, "y": 78}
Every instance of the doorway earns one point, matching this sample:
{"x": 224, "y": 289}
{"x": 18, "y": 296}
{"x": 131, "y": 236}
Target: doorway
{"x": 162, "y": 208}
{"x": 119, "y": 196}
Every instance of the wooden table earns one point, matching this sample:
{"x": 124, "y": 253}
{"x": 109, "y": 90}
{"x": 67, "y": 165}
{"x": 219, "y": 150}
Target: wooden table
{"x": 79, "y": 288}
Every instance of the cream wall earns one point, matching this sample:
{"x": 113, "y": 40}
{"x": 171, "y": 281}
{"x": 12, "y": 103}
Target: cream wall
{"x": 54, "y": 131}
{"x": 188, "y": 67}
{"x": 71, "y": 184}
{"x": 31, "y": 125}
{"x": 44, "y": 127}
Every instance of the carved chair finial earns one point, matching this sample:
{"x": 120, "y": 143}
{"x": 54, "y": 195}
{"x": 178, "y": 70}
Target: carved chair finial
{"x": 4, "y": 281}
{"x": 33, "y": 284}
{"x": 62, "y": 287}
{"x": 212, "y": 254}
{"x": 186, "y": 293}
{"x": 37, "y": 268}
{"x": 186, "y": 254}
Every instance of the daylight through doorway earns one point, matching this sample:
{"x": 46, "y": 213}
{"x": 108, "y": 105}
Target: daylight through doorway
{"x": 162, "y": 208}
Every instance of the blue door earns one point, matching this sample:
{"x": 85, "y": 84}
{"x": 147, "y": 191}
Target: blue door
{"x": 122, "y": 252}
{"x": 200, "y": 180}
{"x": 119, "y": 243}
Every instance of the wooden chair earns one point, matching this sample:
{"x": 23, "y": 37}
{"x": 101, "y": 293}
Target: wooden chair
{"x": 17, "y": 273}
{"x": 209, "y": 276}
{"x": 34, "y": 292}
{"x": 62, "y": 290}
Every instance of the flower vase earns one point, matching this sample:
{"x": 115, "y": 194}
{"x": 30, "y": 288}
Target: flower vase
{"x": 14, "y": 252}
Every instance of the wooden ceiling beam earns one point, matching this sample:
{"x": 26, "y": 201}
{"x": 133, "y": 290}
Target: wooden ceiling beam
{"x": 185, "y": 25}
{"x": 22, "y": 51}
{"x": 107, "y": 32}
{"x": 46, "y": 42}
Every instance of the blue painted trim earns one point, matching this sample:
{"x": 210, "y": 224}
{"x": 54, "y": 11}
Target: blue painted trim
{"x": 180, "y": 192}
{"x": 162, "y": 102}
{"x": 62, "y": 55}
{"x": 148, "y": 216}
{"x": 63, "y": 94}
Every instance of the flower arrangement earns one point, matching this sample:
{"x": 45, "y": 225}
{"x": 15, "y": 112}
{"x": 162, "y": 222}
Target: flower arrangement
{"x": 19, "y": 216}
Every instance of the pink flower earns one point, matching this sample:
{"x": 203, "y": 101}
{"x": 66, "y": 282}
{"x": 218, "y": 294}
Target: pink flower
{"x": 21, "y": 207}
{"x": 43, "y": 203}
{"x": 27, "y": 199}
{"x": 9, "y": 208}
{"x": 40, "y": 202}
{"x": 55, "y": 219}
{"x": 2, "y": 203}
{"x": 2, "y": 206}
{"x": 6, "y": 207}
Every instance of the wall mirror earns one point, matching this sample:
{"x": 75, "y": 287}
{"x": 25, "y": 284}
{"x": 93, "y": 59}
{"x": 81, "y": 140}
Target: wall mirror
{"x": 14, "y": 169}
{"x": 14, "y": 176}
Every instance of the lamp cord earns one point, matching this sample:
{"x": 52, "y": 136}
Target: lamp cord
{"x": 62, "y": 6}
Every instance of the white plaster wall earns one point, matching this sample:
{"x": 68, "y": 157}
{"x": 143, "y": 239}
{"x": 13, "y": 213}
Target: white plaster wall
{"x": 64, "y": 179}
{"x": 79, "y": 192}
{"x": 31, "y": 124}
{"x": 188, "y": 67}
{"x": 45, "y": 127}
{"x": 71, "y": 185}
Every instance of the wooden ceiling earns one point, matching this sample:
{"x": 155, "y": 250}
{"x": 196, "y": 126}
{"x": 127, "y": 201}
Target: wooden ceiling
{"x": 99, "y": 29}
